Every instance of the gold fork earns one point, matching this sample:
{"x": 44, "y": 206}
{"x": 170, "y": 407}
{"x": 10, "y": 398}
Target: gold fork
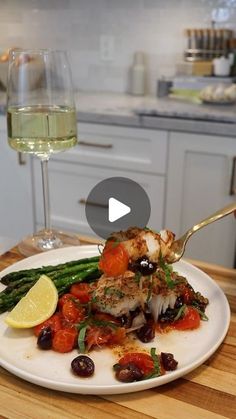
{"x": 178, "y": 247}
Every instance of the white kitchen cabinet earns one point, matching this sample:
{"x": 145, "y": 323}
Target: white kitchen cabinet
{"x": 198, "y": 184}
{"x": 16, "y": 209}
{"x": 104, "y": 151}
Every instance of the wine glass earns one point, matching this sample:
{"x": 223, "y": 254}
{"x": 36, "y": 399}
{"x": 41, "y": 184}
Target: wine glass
{"x": 41, "y": 120}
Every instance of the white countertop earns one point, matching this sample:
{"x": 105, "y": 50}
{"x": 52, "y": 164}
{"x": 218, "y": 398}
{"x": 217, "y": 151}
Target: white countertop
{"x": 154, "y": 113}
{"x": 131, "y": 106}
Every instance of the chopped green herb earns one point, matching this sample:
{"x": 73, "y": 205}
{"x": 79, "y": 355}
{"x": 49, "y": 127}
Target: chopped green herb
{"x": 104, "y": 323}
{"x": 113, "y": 291}
{"x": 181, "y": 312}
{"x": 156, "y": 370}
{"x": 81, "y": 339}
{"x": 115, "y": 243}
{"x": 202, "y": 314}
{"x": 167, "y": 271}
{"x": 137, "y": 277}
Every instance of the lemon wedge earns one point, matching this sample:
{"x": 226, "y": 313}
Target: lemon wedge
{"x": 36, "y": 306}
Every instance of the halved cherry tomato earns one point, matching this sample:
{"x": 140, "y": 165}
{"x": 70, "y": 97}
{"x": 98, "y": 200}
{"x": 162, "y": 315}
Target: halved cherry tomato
{"x": 82, "y": 292}
{"x": 64, "y": 340}
{"x": 114, "y": 260}
{"x": 65, "y": 298}
{"x": 54, "y": 322}
{"x": 143, "y": 361}
{"x": 72, "y": 312}
{"x": 191, "y": 320}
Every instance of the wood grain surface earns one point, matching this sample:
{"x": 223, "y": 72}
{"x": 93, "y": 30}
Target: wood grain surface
{"x": 207, "y": 392}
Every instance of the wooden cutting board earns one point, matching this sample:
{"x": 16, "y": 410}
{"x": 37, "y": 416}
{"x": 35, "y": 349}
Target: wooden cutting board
{"x": 206, "y": 393}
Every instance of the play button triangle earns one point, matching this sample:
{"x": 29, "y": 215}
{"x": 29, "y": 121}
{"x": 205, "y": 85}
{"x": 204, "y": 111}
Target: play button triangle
{"x": 117, "y": 210}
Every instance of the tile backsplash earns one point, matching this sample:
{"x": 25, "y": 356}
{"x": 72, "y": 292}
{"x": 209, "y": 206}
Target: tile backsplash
{"x": 102, "y": 35}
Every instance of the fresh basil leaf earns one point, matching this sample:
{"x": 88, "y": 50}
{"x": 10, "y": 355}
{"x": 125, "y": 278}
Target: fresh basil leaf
{"x": 168, "y": 271}
{"x": 81, "y": 339}
{"x": 202, "y": 314}
{"x": 180, "y": 312}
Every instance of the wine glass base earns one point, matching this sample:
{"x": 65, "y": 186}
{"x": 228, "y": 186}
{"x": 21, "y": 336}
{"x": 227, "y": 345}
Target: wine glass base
{"x": 45, "y": 240}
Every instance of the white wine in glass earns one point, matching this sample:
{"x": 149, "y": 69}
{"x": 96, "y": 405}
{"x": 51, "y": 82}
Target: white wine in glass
{"x": 41, "y": 120}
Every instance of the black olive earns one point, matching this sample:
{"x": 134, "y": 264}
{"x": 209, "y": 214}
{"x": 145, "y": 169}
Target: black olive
{"x": 146, "y": 333}
{"x": 83, "y": 366}
{"x": 45, "y": 338}
{"x": 144, "y": 266}
{"x": 168, "y": 361}
{"x": 128, "y": 373}
{"x": 168, "y": 316}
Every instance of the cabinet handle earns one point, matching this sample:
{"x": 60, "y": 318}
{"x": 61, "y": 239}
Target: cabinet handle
{"x": 21, "y": 159}
{"x": 233, "y": 178}
{"x": 92, "y": 203}
{"x": 88, "y": 144}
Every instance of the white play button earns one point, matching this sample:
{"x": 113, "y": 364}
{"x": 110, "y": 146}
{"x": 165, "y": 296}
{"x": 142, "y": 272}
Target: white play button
{"x": 116, "y": 204}
{"x": 116, "y": 209}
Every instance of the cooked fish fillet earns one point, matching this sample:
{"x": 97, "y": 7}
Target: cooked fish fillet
{"x": 139, "y": 243}
{"x": 120, "y": 295}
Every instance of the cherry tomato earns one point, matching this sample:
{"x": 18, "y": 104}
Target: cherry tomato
{"x": 143, "y": 361}
{"x": 114, "y": 260}
{"x": 117, "y": 336}
{"x": 191, "y": 320}
{"x": 72, "y": 312}
{"x": 64, "y": 340}
{"x": 54, "y": 322}
{"x": 82, "y": 292}
{"x": 65, "y": 298}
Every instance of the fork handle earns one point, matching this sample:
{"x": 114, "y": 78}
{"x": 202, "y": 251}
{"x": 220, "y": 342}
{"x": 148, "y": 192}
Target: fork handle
{"x": 214, "y": 217}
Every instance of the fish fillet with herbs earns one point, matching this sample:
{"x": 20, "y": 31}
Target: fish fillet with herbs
{"x": 137, "y": 283}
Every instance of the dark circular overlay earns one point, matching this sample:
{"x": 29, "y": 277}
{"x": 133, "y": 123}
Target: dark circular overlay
{"x": 125, "y": 191}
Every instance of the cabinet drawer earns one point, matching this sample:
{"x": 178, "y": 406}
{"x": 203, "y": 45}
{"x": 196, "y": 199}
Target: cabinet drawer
{"x": 71, "y": 183}
{"x": 133, "y": 149}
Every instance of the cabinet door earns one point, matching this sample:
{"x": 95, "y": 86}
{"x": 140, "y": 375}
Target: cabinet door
{"x": 198, "y": 184}
{"x": 123, "y": 148}
{"x": 16, "y": 209}
{"x": 70, "y": 185}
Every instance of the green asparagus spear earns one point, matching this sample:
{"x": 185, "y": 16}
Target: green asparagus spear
{"x": 13, "y": 276}
{"x": 53, "y": 275}
{"x": 9, "y": 300}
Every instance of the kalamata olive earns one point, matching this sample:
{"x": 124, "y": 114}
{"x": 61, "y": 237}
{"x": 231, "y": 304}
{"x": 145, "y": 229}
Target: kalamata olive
{"x": 168, "y": 316}
{"x": 83, "y": 366}
{"x": 144, "y": 266}
{"x": 146, "y": 333}
{"x": 168, "y": 361}
{"x": 128, "y": 373}
{"x": 45, "y": 338}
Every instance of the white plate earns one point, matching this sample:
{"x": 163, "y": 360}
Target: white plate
{"x": 19, "y": 353}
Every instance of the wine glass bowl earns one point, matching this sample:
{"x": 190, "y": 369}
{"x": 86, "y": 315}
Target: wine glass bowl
{"x": 41, "y": 120}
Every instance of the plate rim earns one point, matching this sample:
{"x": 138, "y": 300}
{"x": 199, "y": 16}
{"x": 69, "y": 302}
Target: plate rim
{"x": 119, "y": 388}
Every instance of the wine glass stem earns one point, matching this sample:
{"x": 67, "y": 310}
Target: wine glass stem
{"x": 46, "y": 201}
